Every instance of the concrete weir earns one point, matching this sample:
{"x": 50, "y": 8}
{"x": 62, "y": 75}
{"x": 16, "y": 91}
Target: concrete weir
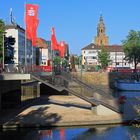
{"x": 13, "y": 76}
{"x": 59, "y": 110}
{"x": 102, "y": 110}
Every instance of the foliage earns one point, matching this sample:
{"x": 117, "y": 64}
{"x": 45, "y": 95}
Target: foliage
{"x": 2, "y": 30}
{"x": 76, "y": 60}
{"x": 131, "y": 47}
{"x": 57, "y": 60}
{"x": 72, "y": 61}
{"x": 104, "y": 57}
{"x": 65, "y": 63}
{"x": 9, "y": 50}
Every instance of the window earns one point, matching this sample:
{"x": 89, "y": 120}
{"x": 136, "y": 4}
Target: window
{"x": 117, "y": 63}
{"x": 93, "y": 51}
{"x": 101, "y": 42}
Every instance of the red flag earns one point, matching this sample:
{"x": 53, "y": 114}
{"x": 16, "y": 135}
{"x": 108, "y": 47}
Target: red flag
{"x": 31, "y": 11}
{"x": 53, "y": 40}
{"x": 62, "y": 47}
{"x": 35, "y": 25}
{"x": 31, "y": 22}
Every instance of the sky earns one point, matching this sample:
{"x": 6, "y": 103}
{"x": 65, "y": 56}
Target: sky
{"x": 75, "y": 21}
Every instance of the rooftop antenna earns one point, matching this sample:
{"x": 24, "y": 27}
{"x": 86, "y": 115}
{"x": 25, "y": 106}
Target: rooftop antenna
{"x": 11, "y": 15}
{"x": 12, "y": 20}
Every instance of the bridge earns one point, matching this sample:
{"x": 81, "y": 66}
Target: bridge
{"x": 64, "y": 81}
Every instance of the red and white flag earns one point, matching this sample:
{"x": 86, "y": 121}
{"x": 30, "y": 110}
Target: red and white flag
{"x": 31, "y": 21}
{"x": 62, "y": 48}
{"x": 55, "y": 45}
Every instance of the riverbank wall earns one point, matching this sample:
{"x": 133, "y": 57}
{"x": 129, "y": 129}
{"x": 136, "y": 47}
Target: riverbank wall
{"x": 10, "y": 93}
{"x": 104, "y": 79}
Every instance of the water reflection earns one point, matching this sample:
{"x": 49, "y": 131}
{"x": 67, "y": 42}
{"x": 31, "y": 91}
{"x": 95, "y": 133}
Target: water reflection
{"x": 85, "y": 133}
{"x": 96, "y": 133}
{"x": 128, "y": 94}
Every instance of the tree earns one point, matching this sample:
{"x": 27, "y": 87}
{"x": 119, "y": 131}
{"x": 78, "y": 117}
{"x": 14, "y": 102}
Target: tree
{"x": 104, "y": 57}
{"x": 72, "y": 61}
{"x": 9, "y": 50}
{"x": 76, "y": 60}
{"x": 2, "y": 30}
{"x": 131, "y": 46}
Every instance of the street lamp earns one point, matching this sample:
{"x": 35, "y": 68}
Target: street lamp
{"x": 81, "y": 67}
{"x": 3, "y": 50}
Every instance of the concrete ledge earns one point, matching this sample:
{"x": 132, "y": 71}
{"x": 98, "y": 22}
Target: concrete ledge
{"x": 102, "y": 110}
{"x": 65, "y": 124}
{"x": 13, "y": 76}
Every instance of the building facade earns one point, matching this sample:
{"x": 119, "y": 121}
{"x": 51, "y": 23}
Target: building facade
{"x": 90, "y": 56}
{"x": 90, "y": 52}
{"x": 20, "y": 48}
{"x": 44, "y": 55}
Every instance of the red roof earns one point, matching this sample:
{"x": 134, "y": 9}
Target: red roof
{"x": 41, "y": 43}
{"x": 110, "y": 48}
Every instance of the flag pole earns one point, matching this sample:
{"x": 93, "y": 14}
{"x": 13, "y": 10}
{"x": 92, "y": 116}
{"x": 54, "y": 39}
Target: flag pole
{"x": 32, "y": 59}
{"x": 25, "y": 37}
{"x": 52, "y": 53}
{"x": 52, "y": 63}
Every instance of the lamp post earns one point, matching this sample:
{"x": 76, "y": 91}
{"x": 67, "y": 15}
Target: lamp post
{"x": 81, "y": 67}
{"x": 3, "y": 55}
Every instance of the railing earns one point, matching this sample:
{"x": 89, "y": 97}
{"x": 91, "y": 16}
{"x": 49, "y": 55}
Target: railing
{"x": 16, "y": 68}
{"x": 64, "y": 80}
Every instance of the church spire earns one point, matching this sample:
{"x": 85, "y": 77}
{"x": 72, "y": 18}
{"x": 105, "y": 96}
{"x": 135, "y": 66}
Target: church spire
{"x": 101, "y": 38}
{"x": 101, "y": 27}
{"x": 101, "y": 18}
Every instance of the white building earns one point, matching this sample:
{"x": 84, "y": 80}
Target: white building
{"x": 44, "y": 52}
{"x": 90, "y": 55}
{"x": 18, "y": 33}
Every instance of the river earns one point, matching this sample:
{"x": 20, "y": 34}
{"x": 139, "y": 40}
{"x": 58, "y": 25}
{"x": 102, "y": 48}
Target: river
{"x": 82, "y": 133}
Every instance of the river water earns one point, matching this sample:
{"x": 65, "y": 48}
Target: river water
{"x": 81, "y": 133}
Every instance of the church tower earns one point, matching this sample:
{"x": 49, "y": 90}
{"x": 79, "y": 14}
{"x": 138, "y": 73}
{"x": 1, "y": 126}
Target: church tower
{"x": 101, "y": 38}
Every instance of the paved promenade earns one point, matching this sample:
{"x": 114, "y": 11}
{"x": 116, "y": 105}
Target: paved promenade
{"x": 60, "y": 110}
{"x": 55, "y": 111}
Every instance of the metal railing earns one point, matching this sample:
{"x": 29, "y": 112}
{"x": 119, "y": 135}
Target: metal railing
{"x": 17, "y": 68}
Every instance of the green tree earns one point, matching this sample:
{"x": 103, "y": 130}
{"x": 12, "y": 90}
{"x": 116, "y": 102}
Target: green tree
{"x": 131, "y": 46}
{"x": 76, "y": 60}
{"x": 57, "y": 60}
{"x": 2, "y": 30}
{"x": 103, "y": 57}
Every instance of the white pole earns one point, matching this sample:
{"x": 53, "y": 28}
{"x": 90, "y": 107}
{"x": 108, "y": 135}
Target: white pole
{"x": 25, "y": 48}
{"x": 25, "y": 40}
{"x": 3, "y": 53}
{"x": 32, "y": 56}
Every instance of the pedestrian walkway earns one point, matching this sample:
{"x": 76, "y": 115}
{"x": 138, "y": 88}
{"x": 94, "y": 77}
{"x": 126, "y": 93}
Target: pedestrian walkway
{"x": 56, "y": 111}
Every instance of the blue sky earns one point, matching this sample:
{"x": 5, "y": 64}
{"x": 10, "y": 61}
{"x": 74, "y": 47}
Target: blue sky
{"x": 75, "y": 21}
